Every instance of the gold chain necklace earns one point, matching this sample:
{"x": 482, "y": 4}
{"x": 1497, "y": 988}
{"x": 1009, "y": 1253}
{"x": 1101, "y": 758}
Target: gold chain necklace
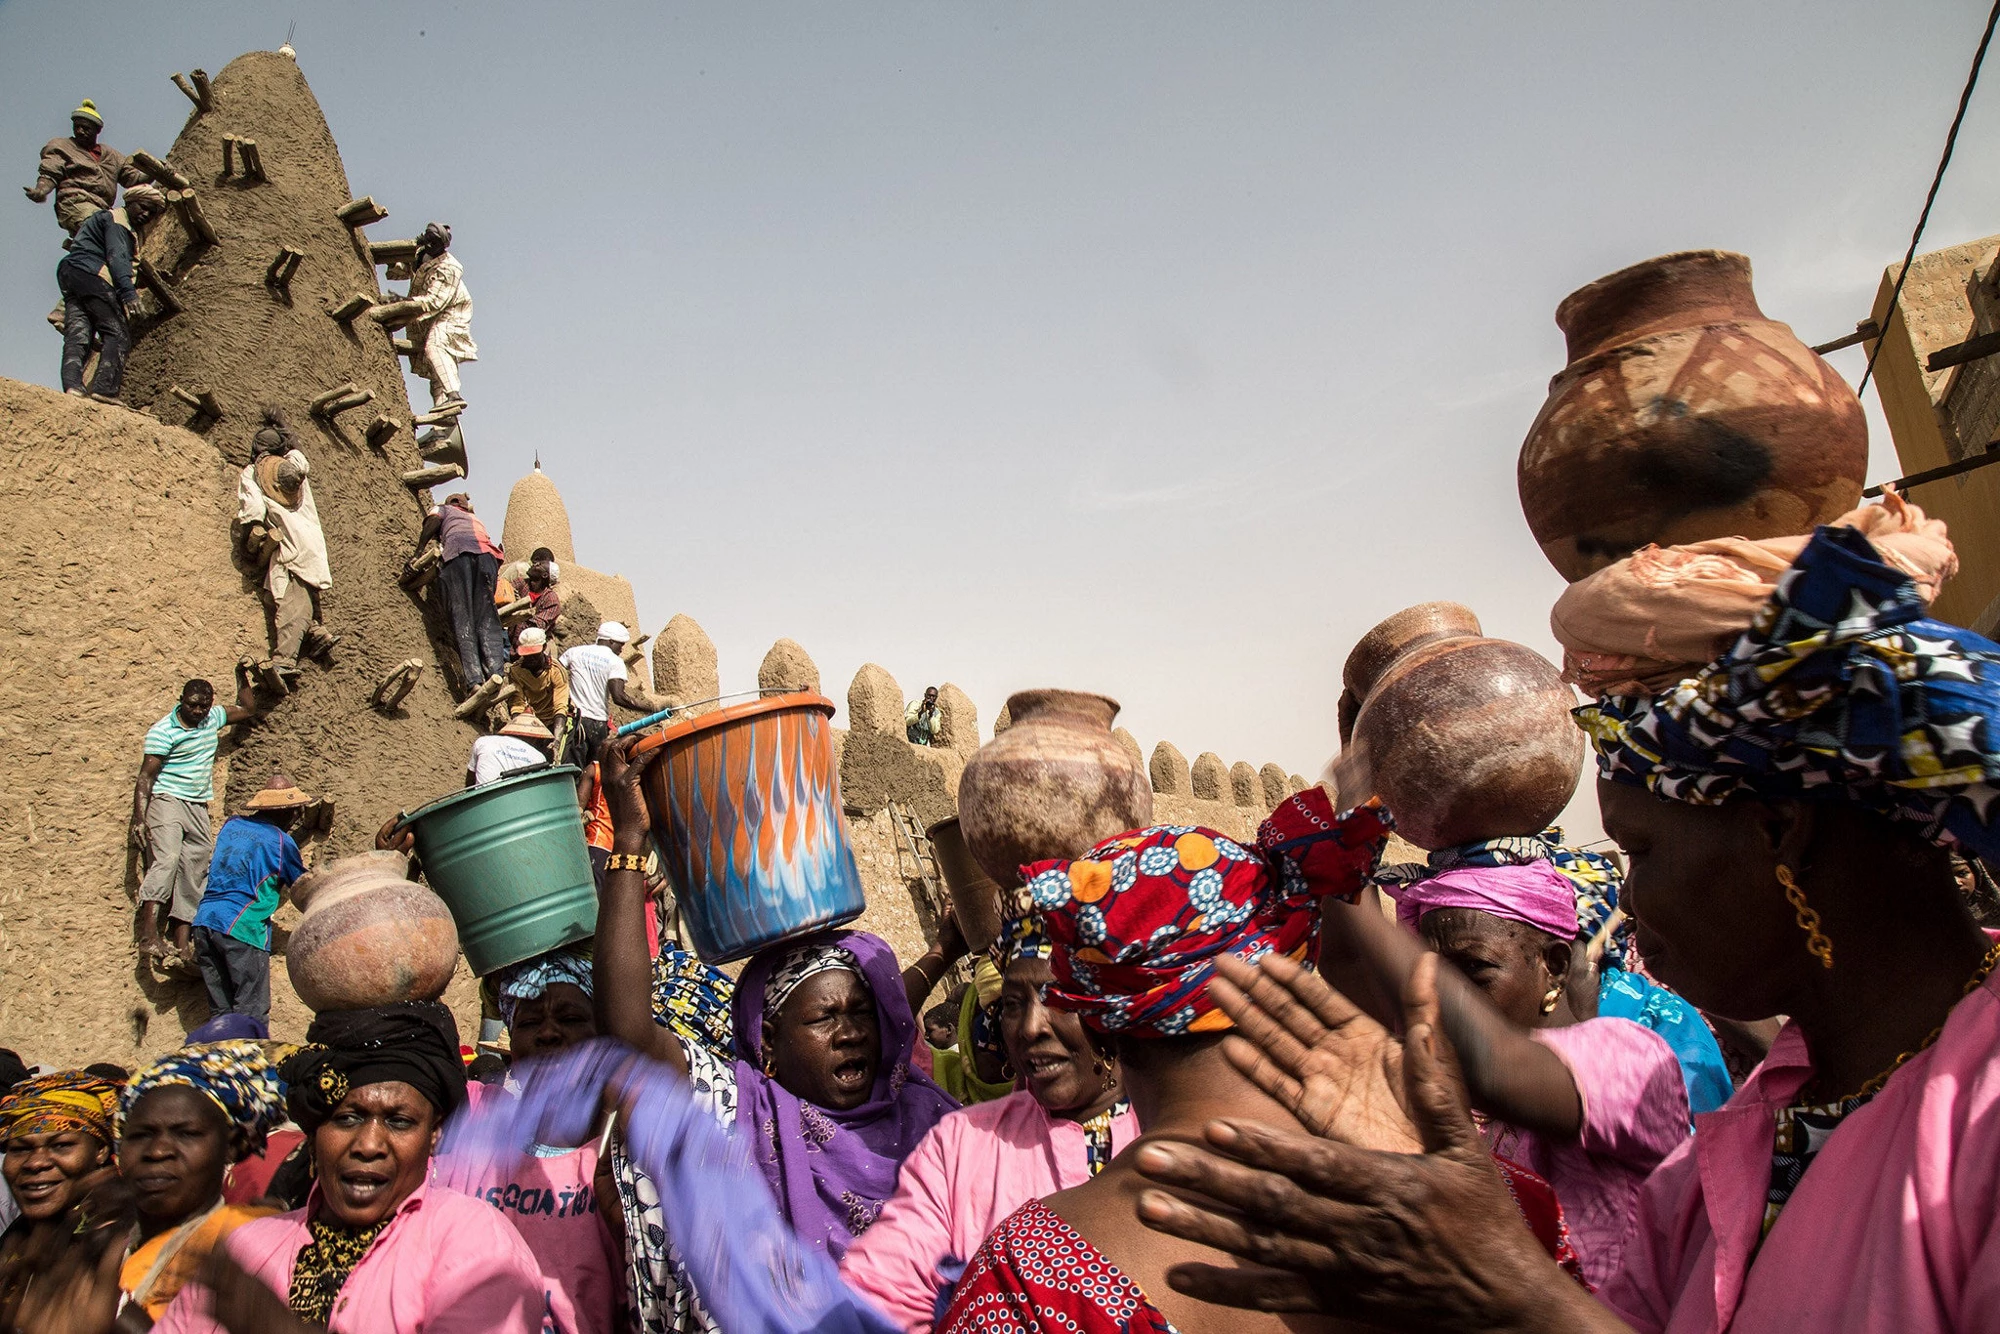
{"x": 1972, "y": 984}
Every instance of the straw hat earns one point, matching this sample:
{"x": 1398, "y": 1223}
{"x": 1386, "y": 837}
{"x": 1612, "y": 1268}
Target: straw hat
{"x": 280, "y": 794}
{"x": 528, "y": 727}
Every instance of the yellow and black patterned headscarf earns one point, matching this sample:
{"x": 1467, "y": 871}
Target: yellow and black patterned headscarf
{"x": 51, "y": 1104}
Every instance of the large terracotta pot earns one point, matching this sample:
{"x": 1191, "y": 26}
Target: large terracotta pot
{"x": 369, "y": 936}
{"x": 1463, "y": 737}
{"x": 1684, "y": 414}
{"x": 1052, "y": 785}
{"x": 975, "y": 895}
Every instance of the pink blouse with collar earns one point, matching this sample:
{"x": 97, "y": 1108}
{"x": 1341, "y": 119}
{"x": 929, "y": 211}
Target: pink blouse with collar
{"x": 446, "y": 1264}
{"x": 973, "y": 1169}
{"x": 1894, "y": 1229}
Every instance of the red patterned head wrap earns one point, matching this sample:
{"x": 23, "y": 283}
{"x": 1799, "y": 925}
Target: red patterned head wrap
{"x": 1136, "y": 923}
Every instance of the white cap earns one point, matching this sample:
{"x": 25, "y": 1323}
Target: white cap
{"x": 613, "y": 630}
{"x": 532, "y": 640}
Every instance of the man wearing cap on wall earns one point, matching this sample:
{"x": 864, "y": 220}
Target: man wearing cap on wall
{"x": 468, "y": 574}
{"x": 170, "y": 810}
{"x": 543, "y": 684}
{"x": 598, "y": 679}
{"x": 255, "y": 861}
{"x": 83, "y": 174}
{"x": 521, "y": 745}
{"x": 274, "y": 503}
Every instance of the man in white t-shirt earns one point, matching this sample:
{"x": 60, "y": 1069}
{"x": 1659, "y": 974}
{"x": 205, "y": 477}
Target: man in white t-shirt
{"x": 597, "y": 680}
{"x": 522, "y": 744}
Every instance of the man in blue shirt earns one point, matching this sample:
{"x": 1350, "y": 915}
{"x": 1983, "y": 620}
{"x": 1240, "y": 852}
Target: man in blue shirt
{"x": 255, "y": 861}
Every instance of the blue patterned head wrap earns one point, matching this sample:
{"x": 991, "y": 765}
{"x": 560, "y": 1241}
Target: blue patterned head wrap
{"x": 240, "y": 1076}
{"x": 532, "y": 978}
{"x": 1842, "y": 689}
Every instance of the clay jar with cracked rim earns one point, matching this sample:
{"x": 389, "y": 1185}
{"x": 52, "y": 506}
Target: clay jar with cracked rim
{"x": 1684, "y": 414}
{"x": 1463, "y": 737}
{"x": 1054, "y": 784}
{"x": 368, "y": 936}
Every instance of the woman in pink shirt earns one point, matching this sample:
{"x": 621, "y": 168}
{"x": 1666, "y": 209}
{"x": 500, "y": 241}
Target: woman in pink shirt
{"x": 981, "y": 1163}
{"x": 1593, "y": 1107}
{"x": 560, "y": 1198}
{"x": 375, "y": 1250}
{"x": 1787, "y": 810}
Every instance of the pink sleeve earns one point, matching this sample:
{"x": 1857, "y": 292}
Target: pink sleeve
{"x": 484, "y": 1280}
{"x": 1635, "y": 1106}
{"x": 894, "y": 1263}
{"x": 1650, "y": 1277}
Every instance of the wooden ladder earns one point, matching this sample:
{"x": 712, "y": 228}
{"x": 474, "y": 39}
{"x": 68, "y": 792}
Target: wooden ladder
{"x": 913, "y": 847}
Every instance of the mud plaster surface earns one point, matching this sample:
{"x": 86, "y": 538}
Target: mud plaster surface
{"x": 70, "y": 989}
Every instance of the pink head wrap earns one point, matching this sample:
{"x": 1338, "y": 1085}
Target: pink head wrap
{"x": 1535, "y": 893}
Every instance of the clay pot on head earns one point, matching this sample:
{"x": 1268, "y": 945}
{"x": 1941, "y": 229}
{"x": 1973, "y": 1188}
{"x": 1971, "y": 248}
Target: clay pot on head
{"x": 1683, "y": 415}
{"x": 1463, "y": 737}
{"x": 369, "y": 936}
{"x": 1053, "y": 784}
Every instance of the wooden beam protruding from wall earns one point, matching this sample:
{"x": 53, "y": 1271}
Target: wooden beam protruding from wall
{"x": 200, "y": 94}
{"x": 279, "y": 276}
{"x": 360, "y": 212}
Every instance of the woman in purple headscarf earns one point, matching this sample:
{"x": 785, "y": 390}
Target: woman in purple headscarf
{"x": 818, "y": 1083}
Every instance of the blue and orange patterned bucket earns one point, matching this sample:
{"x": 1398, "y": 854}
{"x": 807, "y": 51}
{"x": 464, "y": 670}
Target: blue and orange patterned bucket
{"x": 746, "y": 812}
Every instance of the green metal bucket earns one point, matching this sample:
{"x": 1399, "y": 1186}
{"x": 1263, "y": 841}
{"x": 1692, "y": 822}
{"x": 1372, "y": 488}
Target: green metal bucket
{"x": 510, "y": 861}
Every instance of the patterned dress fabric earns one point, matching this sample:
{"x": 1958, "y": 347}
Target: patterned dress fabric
{"x": 1842, "y": 689}
{"x": 1802, "y": 1132}
{"x": 324, "y": 1264}
{"x": 1097, "y": 1147}
{"x": 1037, "y": 1275}
{"x": 693, "y": 1000}
{"x": 1137, "y": 922}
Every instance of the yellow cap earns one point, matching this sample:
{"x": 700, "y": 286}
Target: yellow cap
{"x": 88, "y": 111}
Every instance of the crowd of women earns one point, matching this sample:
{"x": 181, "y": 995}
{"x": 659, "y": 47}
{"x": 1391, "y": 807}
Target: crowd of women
{"x": 1207, "y": 1085}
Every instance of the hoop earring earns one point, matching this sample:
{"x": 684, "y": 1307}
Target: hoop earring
{"x": 1817, "y": 944}
{"x": 770, "y": 1064}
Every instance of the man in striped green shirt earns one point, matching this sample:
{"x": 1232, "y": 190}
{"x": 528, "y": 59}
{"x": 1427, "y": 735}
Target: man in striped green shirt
{"x": 170, "y": 811}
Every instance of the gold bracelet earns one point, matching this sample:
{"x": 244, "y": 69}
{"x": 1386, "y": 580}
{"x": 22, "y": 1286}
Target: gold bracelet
{"x": 625, "y": 861}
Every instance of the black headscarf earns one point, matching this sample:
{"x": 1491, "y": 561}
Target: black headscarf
{"x": 415, "y": 1042}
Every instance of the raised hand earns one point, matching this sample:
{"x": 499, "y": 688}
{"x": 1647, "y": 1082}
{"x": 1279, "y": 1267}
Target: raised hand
{"x": 1338, "y": 1070}
{"x": 1427, "y": 1240}
{"x": 624, "y": 787}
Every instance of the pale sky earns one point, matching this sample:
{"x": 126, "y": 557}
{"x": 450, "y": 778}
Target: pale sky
{"x": 1155, "y": 349}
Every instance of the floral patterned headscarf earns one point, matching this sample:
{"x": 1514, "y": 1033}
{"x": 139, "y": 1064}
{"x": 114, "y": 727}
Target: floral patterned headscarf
{"x": 1137, "y": 922}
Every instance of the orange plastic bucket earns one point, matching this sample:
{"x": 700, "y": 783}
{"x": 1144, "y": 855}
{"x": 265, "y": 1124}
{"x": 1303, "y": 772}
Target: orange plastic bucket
{"x": 746, "y": 811}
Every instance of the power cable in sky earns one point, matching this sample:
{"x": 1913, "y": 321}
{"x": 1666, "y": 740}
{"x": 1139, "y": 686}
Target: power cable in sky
{"x": 1950, "y": 139}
